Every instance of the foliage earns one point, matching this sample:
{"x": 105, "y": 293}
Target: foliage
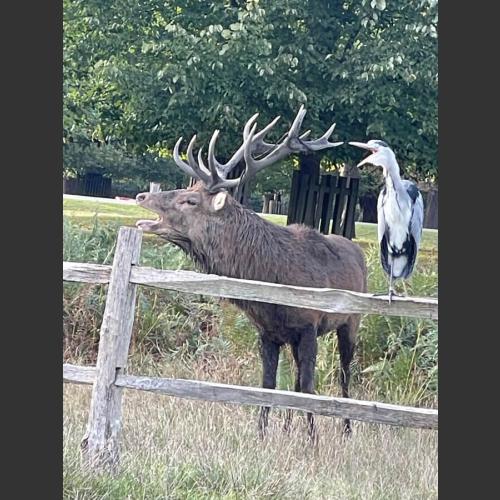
{"x": 144, "y": 73}
{"x": 113, "y": 160}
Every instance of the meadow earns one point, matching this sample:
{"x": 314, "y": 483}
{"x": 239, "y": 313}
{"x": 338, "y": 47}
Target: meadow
{"x": 174, "y": 448}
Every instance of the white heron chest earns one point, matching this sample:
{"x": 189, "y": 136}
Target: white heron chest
{"x": 397, "y": 214}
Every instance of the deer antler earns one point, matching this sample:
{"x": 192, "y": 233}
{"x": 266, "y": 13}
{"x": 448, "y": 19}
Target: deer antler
{"x": 293, "y": 143}
{"x": 215, "y": 176}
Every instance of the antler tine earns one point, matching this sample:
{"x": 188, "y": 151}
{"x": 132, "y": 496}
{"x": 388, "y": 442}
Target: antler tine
{"x": 223, "y": 169}
{"x": 248, "y": 125}
{"x": 259, "y": 146}
{"x": 322, "y": 142}
{"x": 180, "y": 163}
{"x": 200, "y": 170}
{"x": 297, "y": 123}
{"x": 212, "y": 162}
{"x": 253, "y": 166}
{"x": 279, "y": 152}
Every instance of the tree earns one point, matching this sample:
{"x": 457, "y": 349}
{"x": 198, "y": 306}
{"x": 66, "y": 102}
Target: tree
{"x": 144, "y": 73}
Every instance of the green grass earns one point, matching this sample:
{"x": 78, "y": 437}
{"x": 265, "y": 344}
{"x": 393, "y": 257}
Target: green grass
{"x": 84, "y": 211}
{"x": 180, "y": 449}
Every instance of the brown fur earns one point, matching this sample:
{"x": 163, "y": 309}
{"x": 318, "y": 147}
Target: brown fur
{"x": 236, "y": 242}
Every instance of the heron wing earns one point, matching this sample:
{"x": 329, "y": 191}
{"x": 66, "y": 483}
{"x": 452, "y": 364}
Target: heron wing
{"x": 417, "y": 214}
{"x": 383, "y": 232}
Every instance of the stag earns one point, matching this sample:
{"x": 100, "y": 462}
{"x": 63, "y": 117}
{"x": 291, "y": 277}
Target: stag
{"x": 224, "y": 238}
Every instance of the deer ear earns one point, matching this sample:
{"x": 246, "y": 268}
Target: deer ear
{"x": 219, "y": 200}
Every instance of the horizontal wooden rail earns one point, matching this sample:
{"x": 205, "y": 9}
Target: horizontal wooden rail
{"x": 322, "y": 299}
{"x": 86, "y": 273}
{"x": 380, "y": 413}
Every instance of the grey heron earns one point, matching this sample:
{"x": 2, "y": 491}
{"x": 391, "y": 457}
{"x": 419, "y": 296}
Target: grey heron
{"x": 400, "y": 214}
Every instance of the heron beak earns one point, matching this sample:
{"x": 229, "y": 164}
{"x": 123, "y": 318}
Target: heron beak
{"x": 361, "y": 145}
{"x": 364, "y": 146}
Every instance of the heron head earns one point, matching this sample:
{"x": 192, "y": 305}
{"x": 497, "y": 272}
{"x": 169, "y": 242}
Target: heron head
{"x": 381, "y": 154}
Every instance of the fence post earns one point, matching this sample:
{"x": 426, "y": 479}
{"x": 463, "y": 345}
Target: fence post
{"x": 154, "y": 187}
{"x": 100, "y": 443}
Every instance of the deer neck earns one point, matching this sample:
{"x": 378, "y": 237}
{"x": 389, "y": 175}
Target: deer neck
{"x": 239, "y": 248}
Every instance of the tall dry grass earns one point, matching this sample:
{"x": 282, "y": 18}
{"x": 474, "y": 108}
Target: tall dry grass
{"x": 180, "y": 449}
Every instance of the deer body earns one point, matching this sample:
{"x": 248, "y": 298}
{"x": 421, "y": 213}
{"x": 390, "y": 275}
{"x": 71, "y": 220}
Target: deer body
{"x": 225, "y": 238}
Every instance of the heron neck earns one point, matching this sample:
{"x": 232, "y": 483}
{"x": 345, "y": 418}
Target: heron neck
{"x": 392, "y": 177}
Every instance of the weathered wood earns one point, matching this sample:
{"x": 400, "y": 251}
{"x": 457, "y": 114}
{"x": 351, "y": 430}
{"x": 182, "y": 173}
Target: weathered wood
{"x": 320, "y": 201}
{"x": 301, "y": 197}
{"x": 74, "y": 374}
{"x": 381, "y": 413}
{"x": 339, "y": 204}
{"x": 100, "y": 443}
{"x": 312, "y": 196}
{"x": 292, "y": 202}
{"x": 349, "y": 222}
{"x": 322, "y": 299}
{"x": 327, "y": 212}
{"x": 86, "y": 273}
{"x": 154, "y": 187}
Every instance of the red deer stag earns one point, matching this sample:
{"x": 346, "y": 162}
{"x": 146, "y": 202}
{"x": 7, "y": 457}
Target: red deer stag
{"x": 225, "y": 238}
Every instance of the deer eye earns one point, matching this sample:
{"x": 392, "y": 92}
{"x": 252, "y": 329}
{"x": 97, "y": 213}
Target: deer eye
{"x": 190, "y": 201}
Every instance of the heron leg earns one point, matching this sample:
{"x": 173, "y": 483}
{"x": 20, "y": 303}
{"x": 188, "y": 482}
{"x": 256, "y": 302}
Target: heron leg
{"x": 391, "y": 290}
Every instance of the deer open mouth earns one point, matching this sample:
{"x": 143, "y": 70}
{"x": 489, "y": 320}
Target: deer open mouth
{"x": 149, "y": 225}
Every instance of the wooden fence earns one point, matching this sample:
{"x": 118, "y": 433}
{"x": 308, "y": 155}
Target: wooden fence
{"x": 328, "y": 205}
{"x": 109, "y": 377}
{"x": 89, "y": 185}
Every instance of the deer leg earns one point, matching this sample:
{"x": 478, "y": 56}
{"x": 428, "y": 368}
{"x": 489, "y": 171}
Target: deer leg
{"x": 345, "y": 335}
{"x": 269, "y": 353}
{"x": 306, "y": 352}
{"x": 289, "y": 413}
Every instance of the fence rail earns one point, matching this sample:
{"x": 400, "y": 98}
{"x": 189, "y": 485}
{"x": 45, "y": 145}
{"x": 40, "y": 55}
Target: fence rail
{"x": 100, "y": 444}
{"x": 368, "y": 411}
{"x": 323, "y": 299}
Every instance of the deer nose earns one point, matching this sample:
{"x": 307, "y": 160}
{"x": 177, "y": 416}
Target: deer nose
{"x": 141, "y": 197}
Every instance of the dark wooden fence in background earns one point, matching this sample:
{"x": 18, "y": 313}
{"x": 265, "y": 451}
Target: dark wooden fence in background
{"x": 328, "y": 205}
{"x": 88, "y": 185}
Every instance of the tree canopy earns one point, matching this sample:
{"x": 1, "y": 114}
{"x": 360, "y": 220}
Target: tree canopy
{"x": 140, "y": 74}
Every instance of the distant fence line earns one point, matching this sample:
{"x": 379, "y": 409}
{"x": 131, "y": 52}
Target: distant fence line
{"x": 100, "y": 444}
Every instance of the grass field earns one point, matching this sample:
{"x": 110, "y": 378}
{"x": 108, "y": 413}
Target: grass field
{"x": 181, "y": 449}
{"x": 84, "y": 211}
